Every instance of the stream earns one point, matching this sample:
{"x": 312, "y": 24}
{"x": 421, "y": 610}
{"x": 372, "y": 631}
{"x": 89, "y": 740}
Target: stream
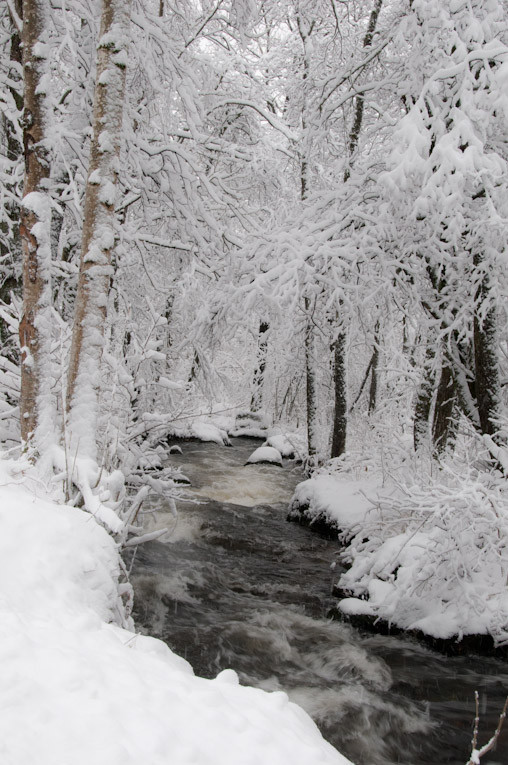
{"x": 235, "y": 585}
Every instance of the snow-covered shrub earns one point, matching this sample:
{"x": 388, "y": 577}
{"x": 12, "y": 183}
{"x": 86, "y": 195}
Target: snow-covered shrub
{"x": 434, "y": 557}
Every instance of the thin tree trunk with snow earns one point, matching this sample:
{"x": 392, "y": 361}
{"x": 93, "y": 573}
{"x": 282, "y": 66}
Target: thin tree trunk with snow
{"x": 35, "y": 223}
{"x": 311, "y": 390}
{"x": 487, "y": 383}
{"x": 339, "y": 427}
{"x": 98, "y": 226}
{"x": 423, "y": 403}
{"x": 340, "y": 410}
{"x": 443, "y": 424}
{"x": 259, "y": 372}
{"x": 375, "y": 371}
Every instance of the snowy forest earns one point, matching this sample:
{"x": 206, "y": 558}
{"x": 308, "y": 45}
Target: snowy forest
{"x": 271, "y": 218}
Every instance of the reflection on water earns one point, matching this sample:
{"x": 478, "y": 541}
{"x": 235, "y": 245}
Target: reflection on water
{"x": 237, "y": 586}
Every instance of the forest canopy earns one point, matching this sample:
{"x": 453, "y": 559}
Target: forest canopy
{"x": 288, "y": 207}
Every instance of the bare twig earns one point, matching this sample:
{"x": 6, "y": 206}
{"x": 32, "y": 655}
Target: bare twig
{"x": 477, "y": 754}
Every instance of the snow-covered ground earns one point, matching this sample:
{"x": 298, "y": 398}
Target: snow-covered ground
{"x": 340, "y": 500}
{"x": 426, "y": 555}
{"x": 78, "y": 687}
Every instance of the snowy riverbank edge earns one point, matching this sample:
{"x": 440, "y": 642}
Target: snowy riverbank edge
{"x": 428, "y": 561}
{"x": 78, "y": 687}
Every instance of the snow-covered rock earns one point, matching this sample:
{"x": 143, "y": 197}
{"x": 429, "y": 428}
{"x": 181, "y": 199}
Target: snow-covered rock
{"x": 79, "y": 688}
{"x": 266, "y": 455}
{"x": 290, "y": 445}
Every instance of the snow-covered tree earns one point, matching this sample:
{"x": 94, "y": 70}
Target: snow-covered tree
{"x": 448, "y": 188}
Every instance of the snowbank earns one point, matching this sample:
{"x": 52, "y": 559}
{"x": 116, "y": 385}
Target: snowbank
{"x": 427, "y": 557}
{"x": 335, "y": 502}
{"x": 434, "y": 560}
{"x": 79, "y": 688}
{"x": 207, "y": 431}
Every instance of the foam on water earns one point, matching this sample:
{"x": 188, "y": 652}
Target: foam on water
{"x": 247, "y": 486}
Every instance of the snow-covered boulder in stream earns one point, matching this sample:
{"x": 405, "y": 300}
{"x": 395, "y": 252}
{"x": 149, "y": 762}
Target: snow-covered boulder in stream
{"x": 291, "y": 446}
{"x": 266, "y": 455}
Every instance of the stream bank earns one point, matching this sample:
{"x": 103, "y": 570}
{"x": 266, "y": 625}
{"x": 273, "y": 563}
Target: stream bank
{"x": 236, "y": 586}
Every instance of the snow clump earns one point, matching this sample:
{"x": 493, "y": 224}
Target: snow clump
{"x": 264, "y": 455}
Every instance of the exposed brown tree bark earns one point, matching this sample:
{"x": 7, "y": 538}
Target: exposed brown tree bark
{"x": 34, "y": 209}
{"x": 98, "y": 225}
{"x": 10, "y": 243}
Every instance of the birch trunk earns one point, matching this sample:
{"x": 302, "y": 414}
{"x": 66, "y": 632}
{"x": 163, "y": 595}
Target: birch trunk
{"x": 98, "y": 227}
{"x": 34, "y": 227}
{"x": 10, "y": 243}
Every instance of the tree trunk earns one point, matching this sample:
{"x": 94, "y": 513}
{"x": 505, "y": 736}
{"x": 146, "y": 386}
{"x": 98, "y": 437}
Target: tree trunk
{"x": 10, "y": 242}
{"x": 375, "y": 368}
{"x": 35, "y": 222}
{"x": 194, "y": 368}
{"x": 311, "y": 389}
{"x": 487, "y": 382}
{"x": 339, "y": 427}
{"x": 423, "y": 402}
{"x": 259, "y": 372}
{"x": 340, "y": 410}
{"x": 443, "y": 424}
{"x": 98, "y": 227}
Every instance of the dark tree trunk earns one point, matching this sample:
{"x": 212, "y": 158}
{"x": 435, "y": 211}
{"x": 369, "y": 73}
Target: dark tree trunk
{"x": 259, "y": 372}
{"x": 194, "y": 368}
{"x": 340, "y": 411}
{"x": 374, "y": 374}
{"x": 444, "y": 424}
{"x": 340, "y": 407}
{"x": 424, "y": 400}
{"x": 311, "y": 389}
{"x": 487, "y": 382}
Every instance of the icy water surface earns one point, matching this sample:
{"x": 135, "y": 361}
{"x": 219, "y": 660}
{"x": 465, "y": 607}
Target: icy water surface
{"x": 237, "y": 586}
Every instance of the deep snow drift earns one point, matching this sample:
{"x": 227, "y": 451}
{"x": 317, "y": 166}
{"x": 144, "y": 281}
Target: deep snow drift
{"x": 79, "y": 688}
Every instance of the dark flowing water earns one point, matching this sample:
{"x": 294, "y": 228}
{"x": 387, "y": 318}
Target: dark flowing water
{"x": 237, "y": 586}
